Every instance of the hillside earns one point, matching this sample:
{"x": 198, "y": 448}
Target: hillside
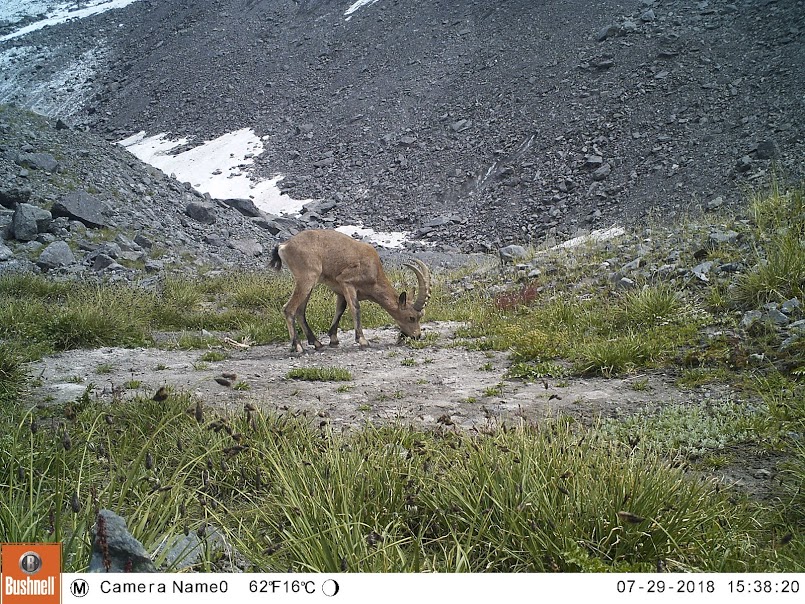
{"x": 473, "y": 124}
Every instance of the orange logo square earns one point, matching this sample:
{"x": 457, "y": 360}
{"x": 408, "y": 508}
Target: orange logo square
{"x": 31, "y": 573}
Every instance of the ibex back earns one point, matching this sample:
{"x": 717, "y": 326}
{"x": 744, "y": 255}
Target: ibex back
{"x": 352, "y": 269}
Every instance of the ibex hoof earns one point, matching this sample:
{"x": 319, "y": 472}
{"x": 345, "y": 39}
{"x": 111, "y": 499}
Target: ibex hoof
{"x": 297, "y": 347}
{"x": 334, "y": 343}
{"x": 317, "y": 345}
{"x": 363, "y": 343}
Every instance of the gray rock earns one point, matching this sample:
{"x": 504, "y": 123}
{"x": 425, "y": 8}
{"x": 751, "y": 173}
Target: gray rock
{"x": 114, "y": 549}
{"x": 10, "y": 196}
{"x": 200, "y": 212}
{"x": 797, "y": 327}
{"x": 631, "y": 266}
{"x": 102, "y": 261}
{"x": 81, "y": 206}
{"x": 702, "y": 270}
{"x": 750, "y": 318}
{"x": 38, "y": 161}
{"x": 214, "y": 240}
{"x": 602, "y": 172}
{"x": 714, "y": 204}
{"x": 323, "y": 163}
{"x": 154, "y": 266}
{"x": 778, "y": 318}
{"x": 512, "y": 253}
{"x": 110, "y": 248}
{"x": 460, "y": 125}
{"x": 610, "y": 31}
{"x": 721, "y": 237}
{"x": 56, "y": 254}
{"x": 28, "y": 221}
{"x": 791, "y": 306}
{"x": 593, "y": 161}
{"x": 248, "y": 247}
{"x": 190, "y": 549}
{"x": 5, "y": 252}
{"x": 143, "y": 241}
{"x": 744, "y": 164}
{"x": 767, "y": 150}
{"x": 244, "y": 206}
{"x": 127, "y": 244}
{"x": 648, "y": 16}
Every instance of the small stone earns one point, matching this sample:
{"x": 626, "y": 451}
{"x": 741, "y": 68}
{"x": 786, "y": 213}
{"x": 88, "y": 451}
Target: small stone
{"x": 750, "y": 318}
{"x": 744, "y": 164}
{"x": 55, "y": 255}
{"x": 602, "y": 172}
{"x": 767, "y": 150}
{"x": 778, "y": 318}
{"x": 701, "y": 270}
{"x": 610, "y": 31}
{"x": 512, "y": 253}
{"x": 200, "y": 212}
{"x": 791, "y": 306}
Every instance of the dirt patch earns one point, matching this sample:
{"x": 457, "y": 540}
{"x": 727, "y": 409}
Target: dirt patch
{"x": 442, "y": 384}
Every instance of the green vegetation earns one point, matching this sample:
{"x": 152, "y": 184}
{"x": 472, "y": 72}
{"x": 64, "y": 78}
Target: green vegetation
{"x": 552, "y": 498}
{"x": 319, "y": 374}
{"x": 625, "y": 495}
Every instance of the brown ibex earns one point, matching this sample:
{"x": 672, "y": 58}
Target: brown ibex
{"x": 352, "y": 269}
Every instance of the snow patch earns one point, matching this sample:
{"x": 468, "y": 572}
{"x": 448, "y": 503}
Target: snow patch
{"x": 56, "y": 12}
{"x": 388, "y": 240}
{"x": 594, "y": 237}
{"x": 57, "y": 94}
{"x": 356, "y": 6}
{"x": 221, "y": 167}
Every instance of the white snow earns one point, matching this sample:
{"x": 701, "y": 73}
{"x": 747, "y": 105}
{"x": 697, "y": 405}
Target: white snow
{"x": 593, "y": 237}
{"x": 220, "y": 167}
{"x": 57, "y": 12}
{"x": 356, "y": 6}
{"x": 388, "y": 240}
{"x": 61, "y": 94}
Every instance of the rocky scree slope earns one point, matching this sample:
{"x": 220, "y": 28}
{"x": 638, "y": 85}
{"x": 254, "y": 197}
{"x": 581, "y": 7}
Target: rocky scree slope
{"x": 473, "y": 123}
{"x": 73, "y": 204}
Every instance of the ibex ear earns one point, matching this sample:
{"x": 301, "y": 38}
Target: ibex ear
{"x": 402, "y": 300}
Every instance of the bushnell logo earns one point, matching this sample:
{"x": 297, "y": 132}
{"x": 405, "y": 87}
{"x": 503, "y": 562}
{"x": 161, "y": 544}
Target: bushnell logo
{"x": 31, "y": 573}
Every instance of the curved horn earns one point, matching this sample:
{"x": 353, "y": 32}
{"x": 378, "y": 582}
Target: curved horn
{"x": 422, "y": 273}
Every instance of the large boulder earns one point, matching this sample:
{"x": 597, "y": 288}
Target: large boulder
{"x": 244, "y": 206}
{"x": 83, "y": 207}
{"x": 28, "y": 221}
{"x": 38, "y": 161}
{"x": 201, "y": 212}
{"x": 114, "y": 549}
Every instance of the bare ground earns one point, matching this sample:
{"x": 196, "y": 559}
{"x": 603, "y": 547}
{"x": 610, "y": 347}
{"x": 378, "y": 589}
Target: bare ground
{"x": 440, "y": 386}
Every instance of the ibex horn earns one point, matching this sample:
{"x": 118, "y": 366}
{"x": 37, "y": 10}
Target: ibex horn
{"x": 423, "y": 282}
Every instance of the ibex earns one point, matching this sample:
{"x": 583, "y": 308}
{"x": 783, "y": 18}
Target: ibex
{"x": 353, "y": 271}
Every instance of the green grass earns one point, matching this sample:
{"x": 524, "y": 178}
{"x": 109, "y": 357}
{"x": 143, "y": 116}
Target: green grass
{"x": 291, "y": 497}
{"x": 778, "y": 273}
{"x": 553, "y": 497}
{"x": 319, "y": 374}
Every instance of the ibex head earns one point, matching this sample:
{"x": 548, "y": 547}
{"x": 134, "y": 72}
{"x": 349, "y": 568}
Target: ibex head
{"x": 353, "y": 271}
{"x": 409, "y": 315}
